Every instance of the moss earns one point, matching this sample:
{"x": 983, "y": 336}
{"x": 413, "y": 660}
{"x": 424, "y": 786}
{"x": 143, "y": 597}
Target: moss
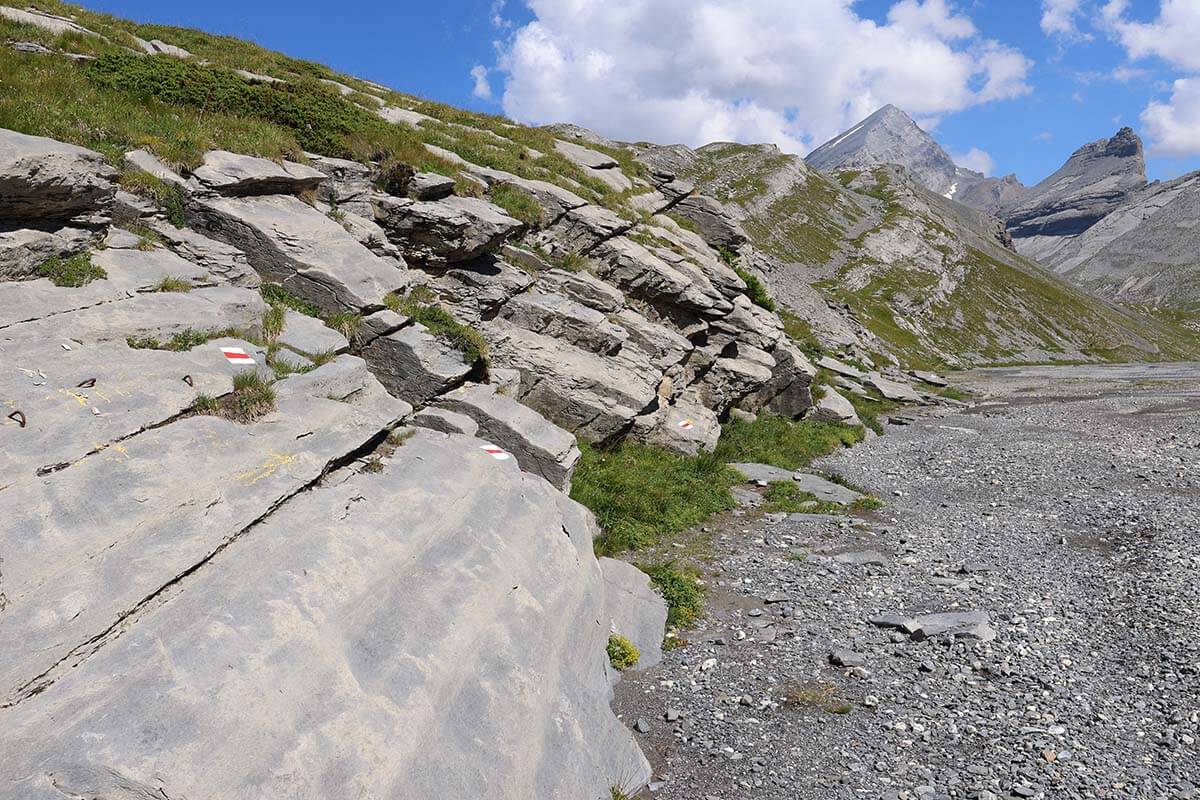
{"x": 73, "y": 272}
{"x": 640, "y": 493}
{"x": 622, "y": 653}
{"x": 680, "y": 588}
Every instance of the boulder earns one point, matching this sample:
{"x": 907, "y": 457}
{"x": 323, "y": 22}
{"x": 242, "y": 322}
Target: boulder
{"x": 592, "y": 396}
{"x": 584, "y": 156}
{"x": 554, "y": 315}
{"x": 430, "y": 186}
{"x": 716, "y": 226}
{"x": 826, "y": 490}
{"x": 731, "y": 378}
{"x": 48, "y": 22}
{"x": 581, "y": 230}
{"x": 539, "y": 446}
{"x": 832, "y": 407}
{"x": 478, "y": 288}
{"x": 415, "y": 365}
{"x": 224, "y": 263}
{"x": 291, "y": 243}
{"x": 585, "y": 288}
{"x": 633, "y": 609}
{"x": 23, "y": 250}
{"x": 833, "y": 365}
{"x": 309, "y": 335}
{"x": 348, "y": 186}
{"x": 49, "y": 183}
{"x": 932, "y": 378}
{"x": 891, "y": 390}
{"x": 685, "y": 428}
{"x": 439, "y": 419}
{"x": 956, "y": 624}
{"x": 789, "y": 391}
{"x": 638, "y": 272}
{"x": 445, "y": 232}
{"x": 235, "y": 175}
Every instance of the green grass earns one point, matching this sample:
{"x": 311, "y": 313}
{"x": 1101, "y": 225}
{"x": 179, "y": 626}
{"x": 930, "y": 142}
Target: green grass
{"x": 869, "y": 410}
{"x": 801, "y": 332}
{"x": 640, "y": 493}
{"x": 420, "y": 306}
{"x": 622, "y": 653}
{"x": 782, "y": 442}
{"x": 184, "y": 340}
{"x": 680, "y": 588}
{"x": 755, "y": 289}
{"x": 517, "y": 204}
{"x": 166, "y": 196}
{"x": 251, "y": 398}
{"x": 275, "y": 294}
{"x": 73, "y": 272}
{"x": 786, "y": 497}
{"x": 173, "y": 284}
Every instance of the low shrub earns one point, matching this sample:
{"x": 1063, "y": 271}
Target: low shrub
{"x": 73, "y": 272}
{"x": 622, "y": 653}
{"x": 680, "y": 588}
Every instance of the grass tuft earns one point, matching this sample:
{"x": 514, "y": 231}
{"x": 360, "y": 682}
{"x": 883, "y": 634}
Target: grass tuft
{"x": 173, "y": 284}
{"x": 167, "y": 196}
{"x": 72, "y": 272}
{"x": 755, "y": 289}
{"x": 251, "y": 398}
{"x": 517, "y": 204}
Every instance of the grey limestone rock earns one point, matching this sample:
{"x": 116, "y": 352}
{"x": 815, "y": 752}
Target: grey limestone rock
{"x": 235, "y": 175}
{"x": 447, "y": 231}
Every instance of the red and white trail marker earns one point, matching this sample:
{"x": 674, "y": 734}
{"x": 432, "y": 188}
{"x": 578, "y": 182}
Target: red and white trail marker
{"x": 686, "y": 425}
{"x": 236, "y": 355}
{"x": 495, "y": 452}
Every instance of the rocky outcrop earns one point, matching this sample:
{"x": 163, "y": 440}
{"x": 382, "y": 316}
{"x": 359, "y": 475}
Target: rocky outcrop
{"x": 234, "y": 175}
{"x": 1095, "y": 180}
{"x": 449, "y": 231}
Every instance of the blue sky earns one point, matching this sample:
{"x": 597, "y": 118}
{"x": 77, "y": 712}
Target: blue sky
{"x": 1000, "y": 76}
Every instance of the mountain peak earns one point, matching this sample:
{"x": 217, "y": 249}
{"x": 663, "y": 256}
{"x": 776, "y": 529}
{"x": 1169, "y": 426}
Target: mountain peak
{"x": 889, "y": 136}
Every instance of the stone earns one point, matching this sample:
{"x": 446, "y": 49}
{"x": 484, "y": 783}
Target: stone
{"x": 50, "y": 183}
{"x": 762, "y": 473}
{"x": 957, "y": 624}
{"x": 445, "y": 232}
{"x": 585, "y": 288}
{"x": 833, "y": 365}
{"x": 328, "y": 609}
{"x": 309, "y": 335}
{"x": 682, "y": 427}
{"x": 553, "y": 200}
{"x": 582, "y": 229}
{"x": 583, "y": 156}
{"x": 224, "y": 263}
{"x": 932, "y": 378}
{"x": 157, "y": 47}
{"x": 847, "y": 658}
{"x": 479, "y": 288}
{"x": 348, "y": 185}
{"x": 640, "y": 273}
{"x": 895, "y": 621}
{"x": 147, "y": 162}
{"x": 539, "y": 446}
{"x": 788, "y": 393}
{"x": 235, "y": 175}
{"x": 291, "y": 243}
{"x": 47, "y": 22}
{"x": 430, "y": 186}
{"x": 825, "y": 490}
{"x": 439, "y": 419}
{"x": 557, "y": 316}
{"x": 861, "y": 557}
{"x": 415, "y": 365}
{"x": 730, "y": 379}
{"x": 891, "y": 390}
{"x": 633, "y": 609}
{"x": 716, "y": 226}
{"x": 23, "y": 250}
{"x": 650, "y": 343}
{"x": 590, "y": 395}
{"x": 833, "y": 407}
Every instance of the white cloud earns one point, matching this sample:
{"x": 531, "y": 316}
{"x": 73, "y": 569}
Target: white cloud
{"x": 483, "y": 87}
{"x": 1174, "y": 126}
{"x": 975, "y": 159}
{"x": 1058, "y": 18}
{"x": 1127, "y": 74}
{"x": 791, "y": 72}
{"x": 1044, "y": 136}
{"x": 1173, "y": 36}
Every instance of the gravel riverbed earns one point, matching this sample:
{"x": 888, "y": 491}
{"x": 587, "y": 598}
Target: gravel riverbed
{"x": 1058, "y": 519}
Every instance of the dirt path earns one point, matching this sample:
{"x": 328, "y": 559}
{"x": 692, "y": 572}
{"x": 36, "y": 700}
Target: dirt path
{"x": 1064, "y": 510}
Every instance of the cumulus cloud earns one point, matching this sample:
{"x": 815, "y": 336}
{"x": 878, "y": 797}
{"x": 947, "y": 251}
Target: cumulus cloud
{"x": 1058, "y": 18}
{"x": 975, "y": 159}
{"x": 1174, "y": 126}
{"x": 483, "y": 87}
{"x": 791, "y": 72}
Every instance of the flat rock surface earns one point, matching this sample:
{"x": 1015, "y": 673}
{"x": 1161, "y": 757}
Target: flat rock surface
{"x": 1079, "y": 493}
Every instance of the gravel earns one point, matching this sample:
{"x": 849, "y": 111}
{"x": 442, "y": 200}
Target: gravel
{"x": 1061, "y": 516}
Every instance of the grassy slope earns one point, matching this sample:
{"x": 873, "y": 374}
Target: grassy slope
{"x": 1003, "y": 309}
